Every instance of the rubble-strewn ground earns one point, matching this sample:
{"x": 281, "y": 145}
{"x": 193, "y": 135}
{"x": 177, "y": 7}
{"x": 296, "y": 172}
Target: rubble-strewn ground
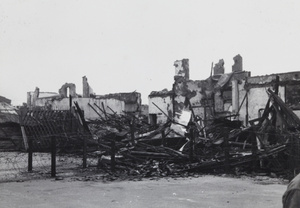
{"x": 75, "y": 187}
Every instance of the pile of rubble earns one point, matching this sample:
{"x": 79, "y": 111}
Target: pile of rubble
{"x": 128, "y": 145}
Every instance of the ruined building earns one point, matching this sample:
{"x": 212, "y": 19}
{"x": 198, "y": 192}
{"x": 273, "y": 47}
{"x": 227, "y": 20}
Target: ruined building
{"x": 89, "y": 102}
{"x": 235, "y": 94}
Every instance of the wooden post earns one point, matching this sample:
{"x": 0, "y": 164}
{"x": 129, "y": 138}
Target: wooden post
{"x": 276, "y": 87}
{"x": 163, "y": 136}
{"x": 132, "y": 129}
{"x": 192, "y": 138}
{"x": 112, "y": 155}
{"x": 84, "y": 156}
{"x": 22, "y": 116}
{"x": 25, "y": 139}
{"x": 226, "y": 149}
{"x": 53, "y": 156}
{"x": 247, "y": 104}
{"x": 235, "y": 96}
{"x": 276, "y": 90}
{"x": 96, "y": 111}
{"x": 86, "y": 133}
{"x": 29, "y": 154}
{"x": 247, "y": 110}
{"x": 291, "y": 149}
{"x": 104, "y": 110}
{"x": 204, "y": 119}
{"x": 70, "y": 106}
{"x": 254, "y": 150}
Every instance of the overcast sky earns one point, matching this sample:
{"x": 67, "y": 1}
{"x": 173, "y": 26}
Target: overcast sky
{"x": 123, "y": 46}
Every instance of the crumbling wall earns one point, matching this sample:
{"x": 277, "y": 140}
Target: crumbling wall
{"x": 164, "y": 100}
{"x": 216, "y": 96}
{"x": 219, "y": 67}
{"x": 116, "y": 105}
{"x": 113, "y": 103}
{"x": 180, "y": 88}
{"x": 40, "y": 99}
{"x": 87, "y": 91}
{"x": 242, "y": 101}
{"x": 232, "y": 93}
{"x": 35, "y": 96}
{"x": 64, "y": 90}
{"x": 86, "y": 88}
{"x": 227, "y": 93}
{"x": 119, "y": 103}
{"x": 257, "y": 96}
{"x": 145, "y": 110}
{"x": 219, "y": 101}
{"x": 132, "y": 100}
{"x": 255, "y": 87}
{"x": 182, "y": 68}
{"x": 134, "y": 104}
{"x": 110, "y": 105}
{"x": 29, "y": 98}
{"x": 165, "y": 104}
{"x": 292, "y": 90}
{"x": 238, "y": 63}
{"x": 293, "y": 96}
{"x": 198, "y": 94}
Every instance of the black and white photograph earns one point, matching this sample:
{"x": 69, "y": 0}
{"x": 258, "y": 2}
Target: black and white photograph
{"x": 149, "y": 104}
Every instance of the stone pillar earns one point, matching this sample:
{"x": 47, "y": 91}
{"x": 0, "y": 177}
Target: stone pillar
{"x": 35, "y": 96}
{"x": 235, "y": 96}
{"x": 182, "y": 69}
{"x": 238, "y": 63}
{"x": 29, "y": 97}
{"x": 86, "y": 88}
{"x": 219, "y": 67}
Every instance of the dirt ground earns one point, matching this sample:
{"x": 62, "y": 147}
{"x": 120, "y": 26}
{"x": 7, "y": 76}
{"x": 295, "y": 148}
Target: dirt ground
{"x": 204, "y": 191}
{"x": 75, "y": 187}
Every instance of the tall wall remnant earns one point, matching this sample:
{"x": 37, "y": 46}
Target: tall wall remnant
{"x": 35, "y": 95}
{"x": 219, "y": 67}
{"x": 182, "y": 69}
{"x": 85, "y": 86}
{"x": 180, "y": 89}
{"x": 87, "y": 91}
{"x": 238, "y": 63}
{"x": 63, "y": 91}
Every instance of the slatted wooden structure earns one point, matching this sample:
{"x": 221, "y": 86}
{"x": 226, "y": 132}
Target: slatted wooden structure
{"x": 41, "y": 125}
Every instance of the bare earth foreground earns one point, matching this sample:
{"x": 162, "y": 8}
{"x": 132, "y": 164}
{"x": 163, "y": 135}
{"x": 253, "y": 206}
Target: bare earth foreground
{"x": 204, "y": 191}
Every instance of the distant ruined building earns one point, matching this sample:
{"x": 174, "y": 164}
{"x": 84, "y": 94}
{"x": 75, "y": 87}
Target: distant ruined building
{"x": 221, "y": 94}
{"x": 63, "y": 100}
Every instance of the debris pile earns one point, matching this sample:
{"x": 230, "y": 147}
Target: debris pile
{"x": 127, "y": 145}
